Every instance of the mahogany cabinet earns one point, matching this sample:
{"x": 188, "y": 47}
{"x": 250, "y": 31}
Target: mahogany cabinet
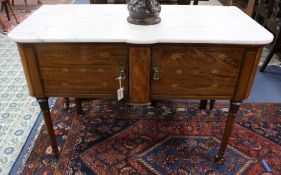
{"x": 196, "y": 52}
{"x": 158, "y": 71}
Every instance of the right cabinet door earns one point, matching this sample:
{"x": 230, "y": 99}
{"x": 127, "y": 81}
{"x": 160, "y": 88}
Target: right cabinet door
{"x": 195, "y": 72}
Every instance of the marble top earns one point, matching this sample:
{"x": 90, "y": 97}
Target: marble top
{"x": 108, "y": 23}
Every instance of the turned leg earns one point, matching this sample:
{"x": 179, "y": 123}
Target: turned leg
{"x": 203, "y": 104}
{"x": 79, "y": 108}
{"x": 43, "y": 103}
{"x": 66, "y": 103}
{"x": 234, "y": 107}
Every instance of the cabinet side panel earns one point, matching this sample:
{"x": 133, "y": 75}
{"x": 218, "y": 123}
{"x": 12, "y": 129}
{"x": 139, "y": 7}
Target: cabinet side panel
{"x": 253, "y": 72}
{"x": 139, "y": 81}
{"x": 248, "y": 72}
{"x": 30, "y": 67}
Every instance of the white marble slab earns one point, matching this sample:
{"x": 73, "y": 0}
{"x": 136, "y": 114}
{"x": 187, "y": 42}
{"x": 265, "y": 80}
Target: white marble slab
{"x": 108, "y": 23}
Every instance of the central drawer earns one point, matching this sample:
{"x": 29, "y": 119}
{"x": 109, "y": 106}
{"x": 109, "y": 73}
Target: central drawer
{"x": 72, "y": 69}
{"x": 195, "y": 72}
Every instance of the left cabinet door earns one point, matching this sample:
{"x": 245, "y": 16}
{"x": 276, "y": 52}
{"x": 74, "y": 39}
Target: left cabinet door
{"x": 81, "y": 69}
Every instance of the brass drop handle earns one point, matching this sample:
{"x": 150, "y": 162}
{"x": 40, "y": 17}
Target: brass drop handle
{"x": 156, "y": 72}
{"x": 122, "y": 71}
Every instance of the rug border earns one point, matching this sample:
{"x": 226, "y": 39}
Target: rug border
{"x": 19, "y": 164}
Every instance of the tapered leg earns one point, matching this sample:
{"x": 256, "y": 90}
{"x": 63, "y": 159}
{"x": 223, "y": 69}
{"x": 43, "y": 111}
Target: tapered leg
{"x": 4, "y": 3}
{"x": 43, "y": 103}
{"x": 12, "y": 10}
{"x": 275, "y": 48}
{"x": 260, "y": 20}
{"x": 79, "y": 108}
{"x": 26, "y": 6}
{"x": 203, "y": 104}
{"x": 234, "y": 107}
{"x": 212, "y": 104}
{"x": 66, "y": 103}
{"x": 195, "y": 2}
{"x": 268, "y": 58}
{"x": 153, "y": 103}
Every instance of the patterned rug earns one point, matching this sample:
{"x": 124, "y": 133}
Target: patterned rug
{"x": 22, "y": 13}
{"x": 170, "y": 138}
{"x": 17, "y": 108}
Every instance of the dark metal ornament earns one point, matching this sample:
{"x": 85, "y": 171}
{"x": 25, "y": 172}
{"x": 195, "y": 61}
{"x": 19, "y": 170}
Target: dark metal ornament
{"x": 143, "y": 12}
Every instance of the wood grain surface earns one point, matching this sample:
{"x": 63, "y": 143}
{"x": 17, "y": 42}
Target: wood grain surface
{"x": 82, "y": 68}
{"x": 139, "y": 83}
{"x": 89, "y": 70}
{"x": 191, "y": 71}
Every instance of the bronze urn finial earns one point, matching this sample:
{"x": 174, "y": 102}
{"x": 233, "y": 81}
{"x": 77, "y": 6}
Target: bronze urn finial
{"x": 144, "y": 12}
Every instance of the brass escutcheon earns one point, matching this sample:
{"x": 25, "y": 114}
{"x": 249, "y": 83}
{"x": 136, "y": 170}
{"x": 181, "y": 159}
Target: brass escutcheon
{"x": 122, "y": 71}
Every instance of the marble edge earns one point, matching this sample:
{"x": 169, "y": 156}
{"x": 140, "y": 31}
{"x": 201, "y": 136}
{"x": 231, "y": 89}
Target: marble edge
{"x": 238, "y": 42}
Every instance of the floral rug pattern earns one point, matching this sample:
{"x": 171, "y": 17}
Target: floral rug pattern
{"x": 17, "y": 108}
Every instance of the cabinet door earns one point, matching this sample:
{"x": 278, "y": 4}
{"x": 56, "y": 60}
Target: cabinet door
{"x": 195, "y": 72}
{"x": 82, "y": 69}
